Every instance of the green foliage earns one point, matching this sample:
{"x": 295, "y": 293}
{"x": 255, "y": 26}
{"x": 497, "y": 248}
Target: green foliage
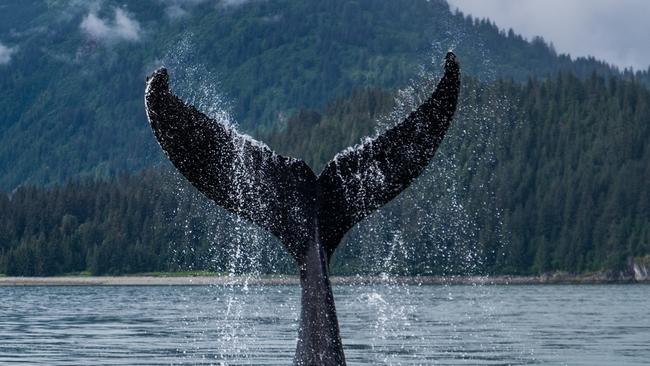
{"x": 316, "y": 137}
{"x": 135, "y": 223}
{"x": 575, "y": 181}
{"x": 568, "y": 184}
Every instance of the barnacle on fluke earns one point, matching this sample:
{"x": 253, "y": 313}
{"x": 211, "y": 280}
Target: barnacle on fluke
{"x": 310, "y": 214}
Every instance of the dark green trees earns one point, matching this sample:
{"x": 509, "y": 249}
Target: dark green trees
{"x": 556, "y": 180}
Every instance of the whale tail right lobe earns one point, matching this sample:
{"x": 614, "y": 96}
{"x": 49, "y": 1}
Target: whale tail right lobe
{"x": 360, "y": 180}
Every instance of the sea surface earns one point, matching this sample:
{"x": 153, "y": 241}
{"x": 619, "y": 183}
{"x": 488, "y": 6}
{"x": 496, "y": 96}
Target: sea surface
{"x": 380, "y": 325}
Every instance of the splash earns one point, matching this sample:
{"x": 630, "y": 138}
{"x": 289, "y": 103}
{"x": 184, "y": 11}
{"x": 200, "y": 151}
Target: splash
{"x": 448, "y": 223}
{"x": 242, "y": 252}
{"x": 391, "y": 242}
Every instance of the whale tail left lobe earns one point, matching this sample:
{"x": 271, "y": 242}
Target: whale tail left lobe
{"x": 240, "y": 174}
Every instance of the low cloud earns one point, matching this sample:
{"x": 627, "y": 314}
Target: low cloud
{"x": 120, "y": 28}
{"x": 179, "y": 8}
{"x": 612, "y": 30}
{"x": 234, "y": 2}
{"x": 5, "y": 54}
{"x": 175, "y": 9}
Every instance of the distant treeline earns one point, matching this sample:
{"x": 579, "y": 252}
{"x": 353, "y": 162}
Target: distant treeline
{"x": 546, "y": 176}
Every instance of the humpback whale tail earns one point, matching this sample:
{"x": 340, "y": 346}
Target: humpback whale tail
{"x": 310, "y": 214}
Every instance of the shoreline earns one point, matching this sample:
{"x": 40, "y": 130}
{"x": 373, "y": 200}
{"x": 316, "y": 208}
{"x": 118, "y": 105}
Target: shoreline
{"x": 203, "y": 280}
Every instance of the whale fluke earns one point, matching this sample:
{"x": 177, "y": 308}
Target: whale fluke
{"x": 309, "y": 214}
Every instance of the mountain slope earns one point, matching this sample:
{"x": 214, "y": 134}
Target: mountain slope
{"x": 71, "y": 95}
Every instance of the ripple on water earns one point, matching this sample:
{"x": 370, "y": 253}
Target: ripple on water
{"x": 389, "y": 325}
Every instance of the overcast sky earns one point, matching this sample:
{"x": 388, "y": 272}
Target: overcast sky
{"x": 617, "y": 31}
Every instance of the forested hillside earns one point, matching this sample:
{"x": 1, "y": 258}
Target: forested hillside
{"x": 71, "y": 89}
{"x": 535, "y": 177}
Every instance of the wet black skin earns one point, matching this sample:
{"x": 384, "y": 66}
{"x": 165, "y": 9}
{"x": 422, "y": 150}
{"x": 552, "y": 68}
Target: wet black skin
{"x": 310, "y": 214}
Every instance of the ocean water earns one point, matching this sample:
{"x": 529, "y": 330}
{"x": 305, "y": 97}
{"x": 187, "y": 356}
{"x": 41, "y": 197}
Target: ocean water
{"x": 380, "y": 325}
